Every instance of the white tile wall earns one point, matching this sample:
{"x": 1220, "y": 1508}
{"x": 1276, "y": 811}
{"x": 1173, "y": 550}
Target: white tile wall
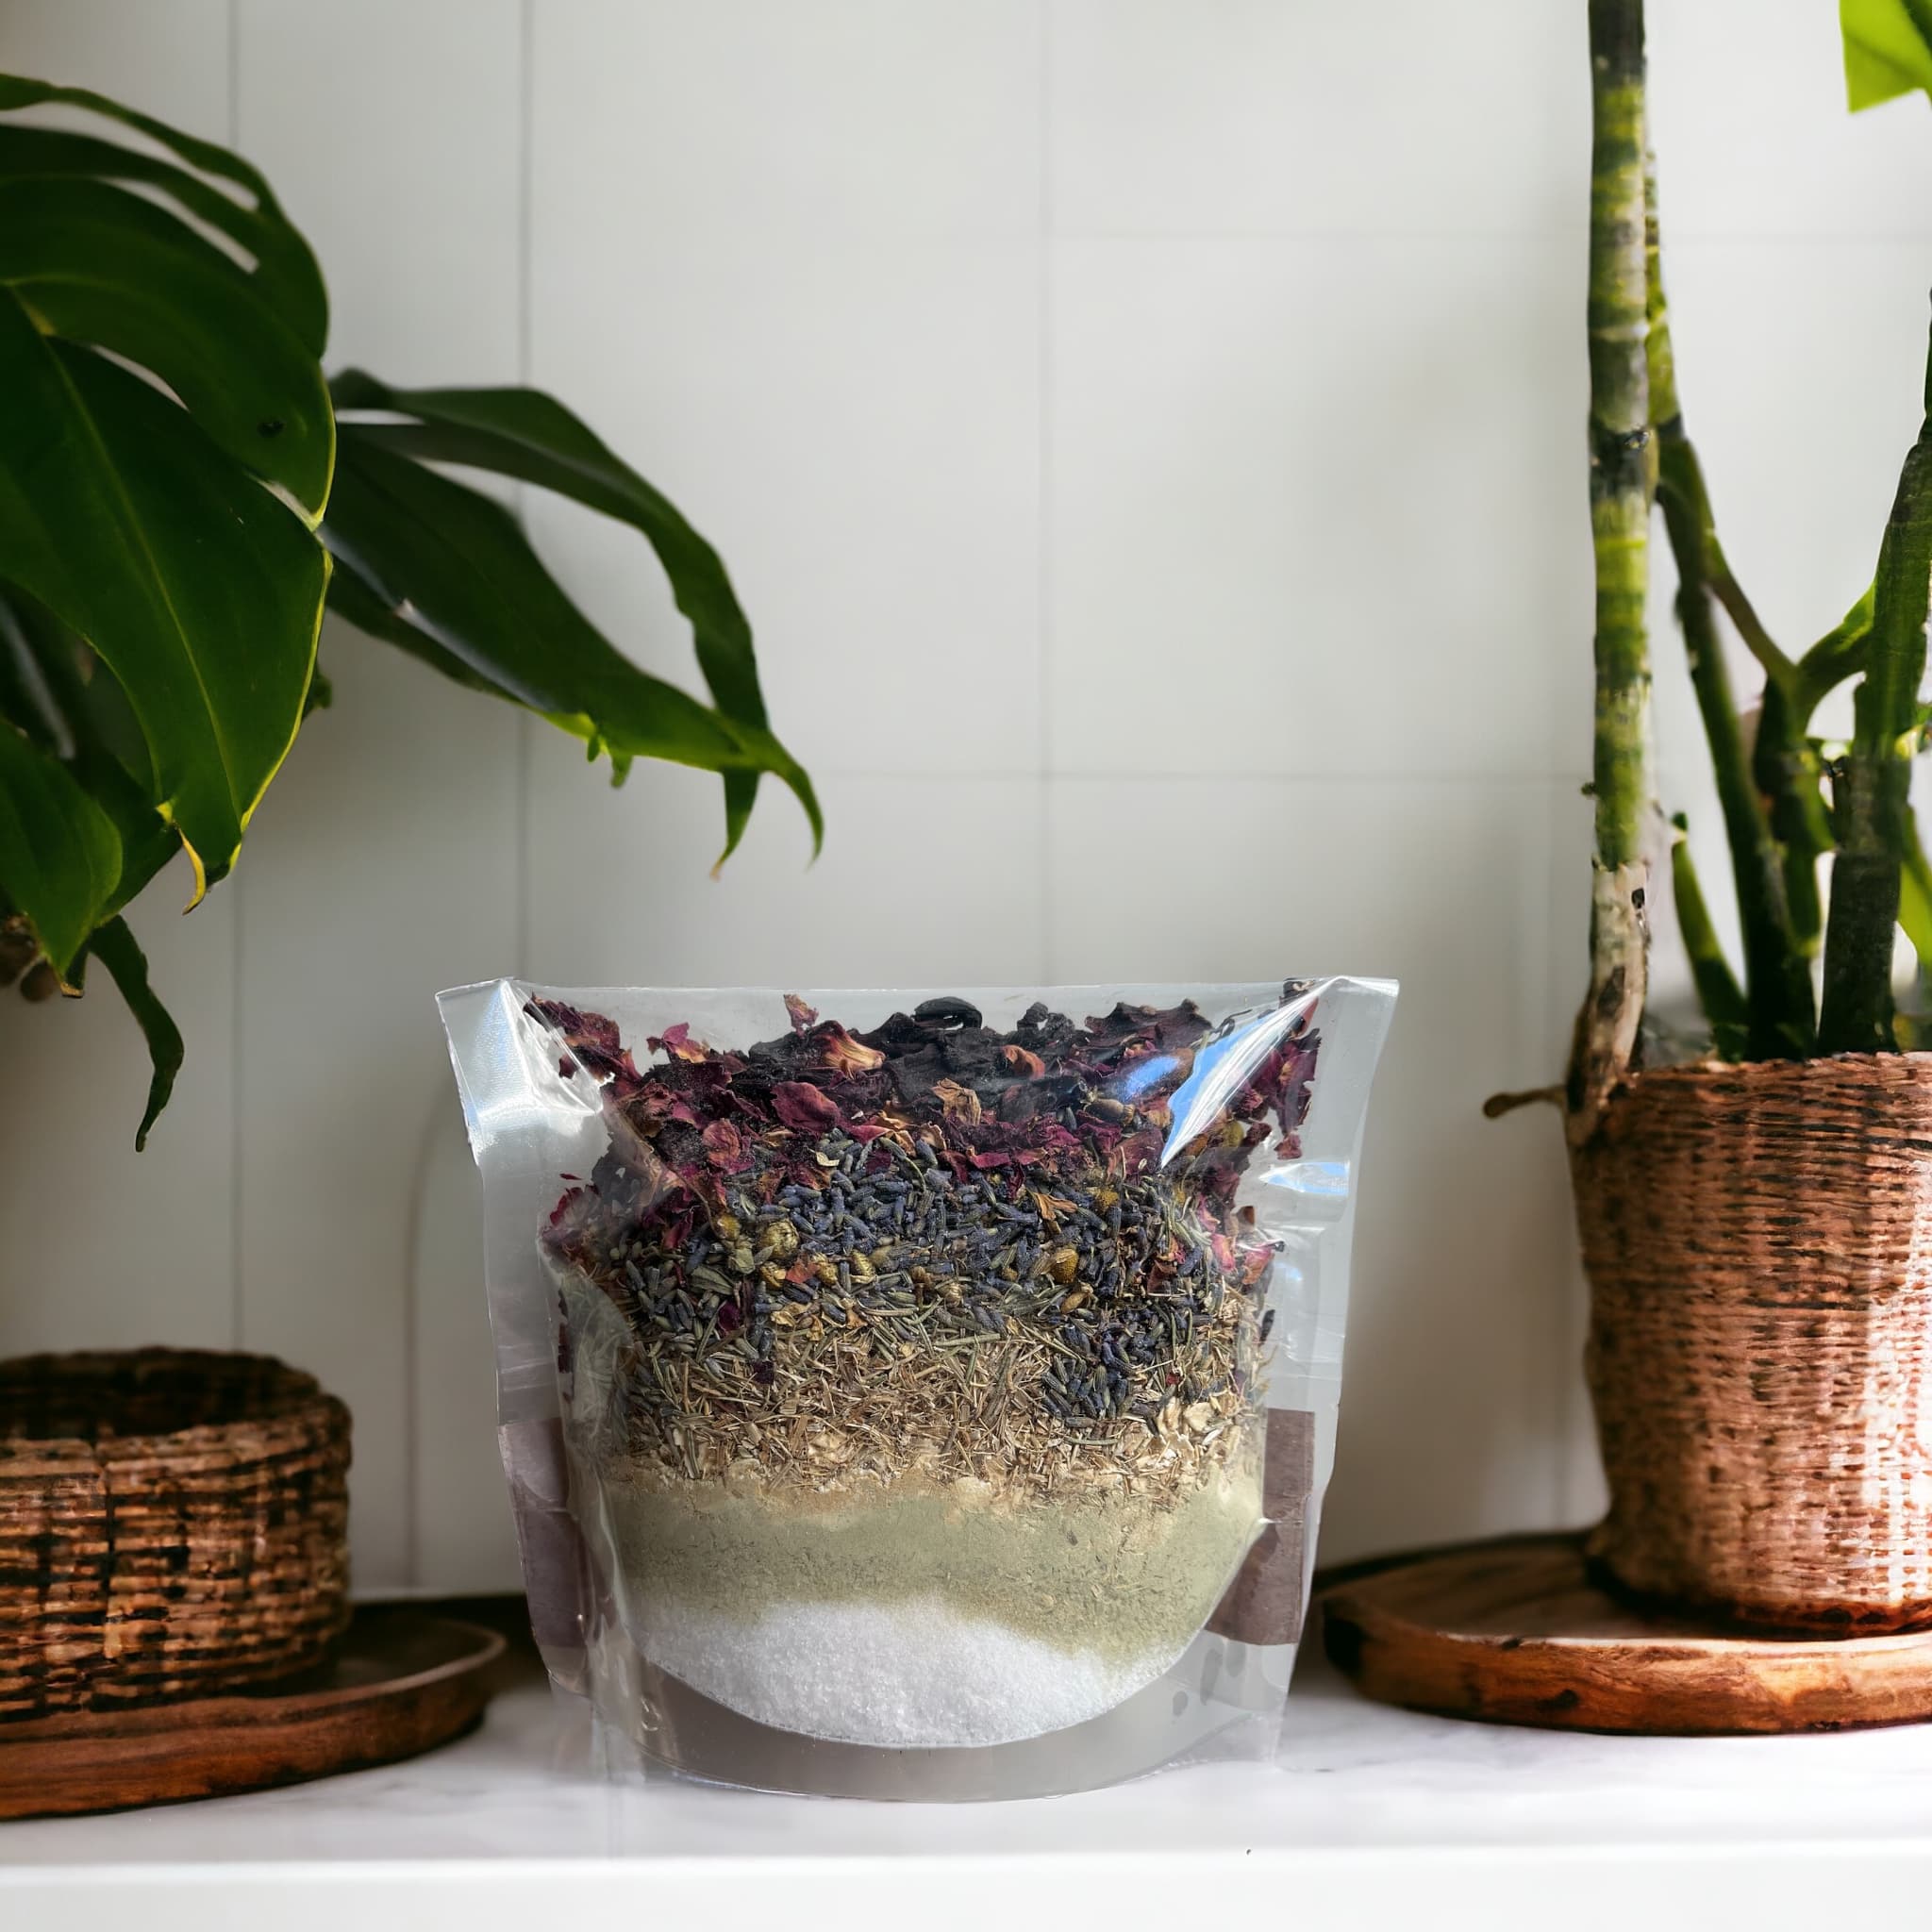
{"x": 1146, "y": 437}
{"x": 385, "y": 865}
{"x": 1454, "y": 1400}
{"x": 1287, "y": 521}
{"x": 1288, "y": 117}
{"x": 1747, "y": 108}
{"x": 105, "y": 1246}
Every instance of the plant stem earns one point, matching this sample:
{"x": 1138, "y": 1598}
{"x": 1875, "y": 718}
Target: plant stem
{"x": 1837, "y": 655}
{"x": 1787, "y": 771}
{"x": 1790, "y": 772}
{"x": 1776, "y": 979}
{"x": 1871, "y": 784}
{"x": 1781, "y": 1019}
{"x": 1915, "y": 899}
{"x": 1619, "y": 427}
{"x": 1717, "y": 987}
{"x": 1620, "y": 528}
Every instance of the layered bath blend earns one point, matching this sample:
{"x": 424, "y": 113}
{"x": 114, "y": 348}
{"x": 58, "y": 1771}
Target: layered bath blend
{"x": 912, "y": 1367}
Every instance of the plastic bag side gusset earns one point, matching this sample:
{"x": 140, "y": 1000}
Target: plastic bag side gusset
{"x": 1306, "y": 1203}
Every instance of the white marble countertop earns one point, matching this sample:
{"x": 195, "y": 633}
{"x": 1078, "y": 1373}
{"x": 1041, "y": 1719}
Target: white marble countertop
{"x": 1383, "y": 1816}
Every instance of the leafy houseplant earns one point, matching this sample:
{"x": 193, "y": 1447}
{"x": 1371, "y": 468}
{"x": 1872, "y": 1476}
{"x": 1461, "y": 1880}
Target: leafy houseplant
{"x": 1753, "y": 1226}
{"x": 182, "y": 491}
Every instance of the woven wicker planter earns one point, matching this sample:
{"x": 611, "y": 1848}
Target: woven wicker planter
{"x": 171, "y": 1524}
{"x": 1759, "y": 1240}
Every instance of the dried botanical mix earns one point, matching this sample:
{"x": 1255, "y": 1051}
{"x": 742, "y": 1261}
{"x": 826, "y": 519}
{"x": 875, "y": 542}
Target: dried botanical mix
{"x": 924, "y": 1393}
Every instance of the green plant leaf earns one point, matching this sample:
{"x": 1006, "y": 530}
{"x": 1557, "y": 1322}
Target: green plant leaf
{"x": 133, "y": 519}
{"x": 114, "y": 946}
{"x": 740, "y": 795}
{"x": 1718, "y": 991}
{"x": 26, "y": 703}
{"x": 285, "y": 267}
{"x": 90, "y": 724}
{"x": 528, "y": 435}
{"x": 198, "y": 589}
{"x": 367, "y": 606}
{"x": 445, "y": 572}
{"x": 1915, "y": 894}
{"x": 1887, "y": 49}
{"x": 96, "y": 265}
{"x": 60, "y": 853}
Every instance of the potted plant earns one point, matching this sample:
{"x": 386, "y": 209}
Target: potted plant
{"x": 182, "y": 491}
{"x": 1757, "y": 1224}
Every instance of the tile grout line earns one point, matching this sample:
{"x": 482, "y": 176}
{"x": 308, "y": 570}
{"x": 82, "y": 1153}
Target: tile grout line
{"x": 237, "y": 885}
{"x": 1539, "y": 237}
{"x": 1559, "y": 909}
{"x": 526, "y": 35}
{"x": 1045, "y": 958}
{"x": 1233, "y": 774}
{"x": 1559, "y": 1421}
{"x": 412, "y": 1314}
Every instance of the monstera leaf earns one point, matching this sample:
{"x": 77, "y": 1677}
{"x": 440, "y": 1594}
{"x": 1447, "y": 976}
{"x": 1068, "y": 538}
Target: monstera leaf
{"x": 139, "y": 515}
{"x": 456, "y": 580}
{"x": 1887, "y": 49}
{"x": 528, "y": 435}
{"x": 174, "y": 494}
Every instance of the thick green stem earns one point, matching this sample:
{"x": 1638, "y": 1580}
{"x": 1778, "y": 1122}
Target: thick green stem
{"x": 1777, "y": 982}
{"x": 1789, "y": 771}
{"x": 1837, "y": 655}
{"x": 1619, "y": 429}
{"x": 1718, "y": 990}
{"x": 1858, "y": 1013}
{"x": 1871, "y": 785}
{"x": 1915, "y": 900}
{"x": 1776, "y": 979}
{"x": 1620, "y": 522}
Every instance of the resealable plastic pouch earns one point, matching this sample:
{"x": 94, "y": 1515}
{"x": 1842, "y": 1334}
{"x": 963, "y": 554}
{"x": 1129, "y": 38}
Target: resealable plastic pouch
{"x": 919, "y": 1394}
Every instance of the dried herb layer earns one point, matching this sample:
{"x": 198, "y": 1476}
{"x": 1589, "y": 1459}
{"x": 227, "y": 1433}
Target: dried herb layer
{"x": 933, "y": 1247}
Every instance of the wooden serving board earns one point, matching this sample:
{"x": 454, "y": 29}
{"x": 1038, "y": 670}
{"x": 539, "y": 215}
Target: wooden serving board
{"x": 1517, "y": 1633}
{"x": 399, "y": 1683}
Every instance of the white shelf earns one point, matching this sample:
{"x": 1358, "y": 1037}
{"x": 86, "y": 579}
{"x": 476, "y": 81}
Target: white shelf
{"x": 1376, "y": 1817}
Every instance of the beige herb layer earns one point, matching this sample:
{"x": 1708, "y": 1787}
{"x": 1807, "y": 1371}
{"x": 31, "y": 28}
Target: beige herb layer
{"x": 1112, "y": 1570}
{"x": 843, "y": 1408}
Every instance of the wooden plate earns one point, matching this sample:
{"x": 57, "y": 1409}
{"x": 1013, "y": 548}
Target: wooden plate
{"x": 1517, "y": 1633}
{"x": 399, "y": 1683}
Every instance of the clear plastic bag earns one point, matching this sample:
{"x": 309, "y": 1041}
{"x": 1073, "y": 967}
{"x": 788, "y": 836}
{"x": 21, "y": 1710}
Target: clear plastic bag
{"x": 919, "y": 1394}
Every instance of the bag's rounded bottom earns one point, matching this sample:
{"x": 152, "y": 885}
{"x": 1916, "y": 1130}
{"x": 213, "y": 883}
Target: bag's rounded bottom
{"x": 909, "y": 1674}
{"x": 1220, "y": 1690}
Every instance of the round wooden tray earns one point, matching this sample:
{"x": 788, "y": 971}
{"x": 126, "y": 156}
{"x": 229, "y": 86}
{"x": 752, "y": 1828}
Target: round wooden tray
{"x": 399, "y": 1683}
{"x": 1516, "y": 1632}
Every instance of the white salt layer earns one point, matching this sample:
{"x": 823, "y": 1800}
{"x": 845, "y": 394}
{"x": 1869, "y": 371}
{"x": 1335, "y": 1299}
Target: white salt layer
{"x": 909, "y": 1674}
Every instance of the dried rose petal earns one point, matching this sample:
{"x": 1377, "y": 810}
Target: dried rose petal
{"x": 575, "y": 1024}
{"x": 725, "y": 1146}
{"x": 805, "y": 1109}
{"x": 678, "y": 1042}
{"x": 844, "y": 1054}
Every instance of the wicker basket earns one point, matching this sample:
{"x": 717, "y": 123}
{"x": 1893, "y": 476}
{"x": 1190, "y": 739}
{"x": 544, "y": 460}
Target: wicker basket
{"x": 1759, "y": 1240}
{"x": 171, "y": 1524}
